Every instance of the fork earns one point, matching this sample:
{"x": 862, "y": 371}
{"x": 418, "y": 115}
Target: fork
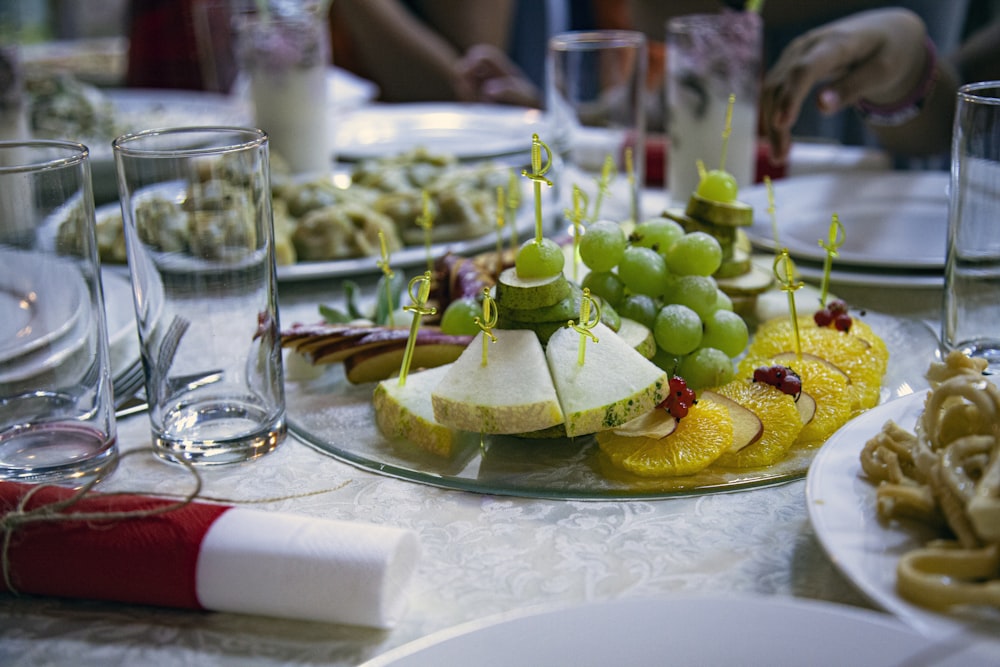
{"x": 128, "y": 383}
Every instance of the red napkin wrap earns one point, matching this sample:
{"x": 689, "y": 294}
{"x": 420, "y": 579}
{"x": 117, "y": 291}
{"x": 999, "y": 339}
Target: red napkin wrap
{"x": 151, "y": 561}
{"x": 202, "y": 556}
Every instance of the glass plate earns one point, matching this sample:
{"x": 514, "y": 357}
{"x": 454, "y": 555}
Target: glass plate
{"x": 337, "y": 418}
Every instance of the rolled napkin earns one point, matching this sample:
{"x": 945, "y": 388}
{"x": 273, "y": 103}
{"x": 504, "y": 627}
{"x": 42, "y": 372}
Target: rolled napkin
{"x": 203, "y": 556}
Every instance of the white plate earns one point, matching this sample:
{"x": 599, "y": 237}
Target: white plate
{"x": 862, "y": 277}
{"x": 892, "y": 220}
{"x": 123, "y": 340}
{"x": 32, "y": 317}
{"x": 679, "y": 631}
{"x": 468, "y": 131}
{"x": 841, "y": 504}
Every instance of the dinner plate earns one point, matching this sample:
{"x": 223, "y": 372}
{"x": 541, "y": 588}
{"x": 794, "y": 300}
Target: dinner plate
{"x": 123, "y": 340}
{"x": 337, "y": 418}
{"x": 682, "y": 631}
{"x": 841, "y": 505}
{"x": 892, "y": 220}
{"x": 468, "y": 131}
{"x": 862, "y": 277}
{"x": 27, "y": 312}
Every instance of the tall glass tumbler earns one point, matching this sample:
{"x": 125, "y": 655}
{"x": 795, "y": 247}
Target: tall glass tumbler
{"x": 196, "y": 204}
{"x": 56, "y": 406}
{"x": 709, "y": 58}
{"x": 597, "y": 120}
{"x": 971, "y": 318}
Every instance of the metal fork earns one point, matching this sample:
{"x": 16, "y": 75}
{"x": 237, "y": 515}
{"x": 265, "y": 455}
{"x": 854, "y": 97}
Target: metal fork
{"x": 128, "y": 383}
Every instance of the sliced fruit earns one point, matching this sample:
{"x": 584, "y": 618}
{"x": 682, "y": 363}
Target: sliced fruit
{"x": 697, "y": 441}
{"x": 637, "y": 336}
{"x": 789, "y": 358}
{"x": 526, "y": 294}
{"x": 727, "y": 214}
{"x": 806, "y": 405}
{"x": 614, "y": 384}
{"x": 563, "y": 310}
{"x": 512, "y": 393}
{"x": 747, "y": 426}
{"x": 405, "y": 411}
{"x": 656, "y": 424}
{"x": 778, "y": 414}
{"x": 374, "y": 363}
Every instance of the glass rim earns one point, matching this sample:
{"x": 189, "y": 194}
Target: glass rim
{"x": 131, "y": 144}
{"x": 76, "y": 153}
{"x": 583, "y": 40}
{"x": 972, "y": 92}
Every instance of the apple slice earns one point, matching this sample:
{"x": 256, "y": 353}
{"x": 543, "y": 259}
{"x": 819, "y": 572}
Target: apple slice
{"x": 789, "y": 357}
{"x": 655, "y": 424}
{"x": 747, "y": 426}
{"x": 378, "y": 362}
{"x": 806, "y": 406}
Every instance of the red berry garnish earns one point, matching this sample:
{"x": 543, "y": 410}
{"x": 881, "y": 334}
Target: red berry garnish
{"x": 679, "y": 399}
{"x": 822, "y": 318}
{"x": 843, "y": 322}
{"x": 783, "y": 378}
{"x": 837, "y": 306}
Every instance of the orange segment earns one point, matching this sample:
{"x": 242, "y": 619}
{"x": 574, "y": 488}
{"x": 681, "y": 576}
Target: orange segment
{"x": 778, "y": 414}
{"x": 698, "y": 440}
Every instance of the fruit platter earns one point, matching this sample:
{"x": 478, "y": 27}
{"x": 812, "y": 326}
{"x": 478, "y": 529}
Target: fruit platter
{"x": 635, "y": 362}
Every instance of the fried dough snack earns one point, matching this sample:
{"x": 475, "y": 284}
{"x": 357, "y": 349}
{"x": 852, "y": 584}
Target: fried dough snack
{"x": 947, "y": 475}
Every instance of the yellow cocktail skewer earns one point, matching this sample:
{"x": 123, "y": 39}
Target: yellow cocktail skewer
{"x": 772, "y": 210}
{"x": 726, "y": 131}
{"x": 576, "y": 216}
{"x": 608, "y": 174}
{"x": 513, "y": 203}
{"x": 630, "y": 177}
{"x": 784, "y": 272}
{"x": 387, "y": 271}
{"x": 537, "y": 177}
{"x": 426, "y": 222}
{"x": 487, "y": 322}
{"x": 500, "y": 225}
{"x": 835, "y": 238}
{"x": 419, "y": 308}
{"x": 588, "y": 306}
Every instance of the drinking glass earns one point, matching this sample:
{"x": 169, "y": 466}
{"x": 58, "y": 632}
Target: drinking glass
{"x": 196, "y": 204}
{"x": 597, "y": 120}
{"x": 709, "y": 58}
{"x": 971, "y": 318}
{"x": 56, "y": 405}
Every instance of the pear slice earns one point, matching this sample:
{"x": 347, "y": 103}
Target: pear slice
{"x": 638, "y": 336}
{"x": 405, "y": 411}
{"x": 615, "y": 384}
{"x": 747, "y": 426}
{"x": 788, "y": 359}
{"x": 655, "y": 424}
{"x": 530, "y": 293}
{"x": 512, "y": 393}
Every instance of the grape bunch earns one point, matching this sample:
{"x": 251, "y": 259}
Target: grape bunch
{"x": 661, "y": 276}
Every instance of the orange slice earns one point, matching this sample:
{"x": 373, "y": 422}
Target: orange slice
{"x": 776, "y": 410}
{"x": 695, "y": 443}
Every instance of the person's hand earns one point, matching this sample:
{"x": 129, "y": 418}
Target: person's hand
{"x": 878, "y": 56}
{"x": 486, "y": 74}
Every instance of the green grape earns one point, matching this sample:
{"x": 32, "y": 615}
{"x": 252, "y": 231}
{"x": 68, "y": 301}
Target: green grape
{"x": 602, "y": 245}
{"x": 638, "y": 307}
{"x": 657, "y": 233}
{"x": 706, "y": 367}
{"x": 539, "y": 260}
{"x": 694, "y": 254}
{"x": 726, "y": 331}
{"x": 666, "y": 361}
{"x": 677, "y": 329}
{"x": 606, "y": 285}
{"x": 457, "y": 319}
{"x": 643, "y": 271}
{"x": 723, "y": 301}
{"x": 719, "y": 186}
{"x": 698, "y": 293}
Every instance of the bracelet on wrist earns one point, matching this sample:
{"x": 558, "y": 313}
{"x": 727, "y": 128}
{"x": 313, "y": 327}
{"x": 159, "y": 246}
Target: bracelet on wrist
{"x": 909, "y": 107}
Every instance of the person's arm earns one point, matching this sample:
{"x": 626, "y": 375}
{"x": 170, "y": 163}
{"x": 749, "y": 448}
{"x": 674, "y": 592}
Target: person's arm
{"x": 410, "y": 60}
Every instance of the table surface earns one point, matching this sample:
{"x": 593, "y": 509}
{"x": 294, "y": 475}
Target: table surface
{"x": 481, "y": 554}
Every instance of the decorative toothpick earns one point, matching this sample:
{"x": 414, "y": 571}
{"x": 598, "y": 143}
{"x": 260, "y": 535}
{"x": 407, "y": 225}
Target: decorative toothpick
{"x": 608, "y": 173}
{"x": 588, "y": 307}
{"x": 835, "y": 238}
{"x": 487, "y": 322}
{"x": 576, "y": 216}
{"x": 500, "y": 225}
{"x": 513, "y": 203}
{"x": 537, "y": 177}
{"x": 784, "y": 271}
{"x": 702, "y": 172}
{"x": 772, "y": 210}
{"x": 630, "y": 176}
{"x": 419, "y": 308}
{"x": 387, "y": 271}
{"x": 426, "y": 222}
{"x": 726, "y": 131}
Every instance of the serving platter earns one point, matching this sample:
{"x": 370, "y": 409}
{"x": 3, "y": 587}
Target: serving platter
{"x": 337, "y": 418}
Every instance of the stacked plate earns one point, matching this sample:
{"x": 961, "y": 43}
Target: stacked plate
{"x": 45, "y": 317}
{"x": 895, "y": 225}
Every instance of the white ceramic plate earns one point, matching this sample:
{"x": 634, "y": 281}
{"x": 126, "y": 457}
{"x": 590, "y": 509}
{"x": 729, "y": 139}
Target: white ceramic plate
{"x": 863, "y": 277}
{"x": 468, "y": 131}
{"x": 841, "y": 504}
{"x": 679, "y": 631}
{"x": 36, "y": 323}
{"x": 892, "y": 220}
{"x": 123, "y": 341}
